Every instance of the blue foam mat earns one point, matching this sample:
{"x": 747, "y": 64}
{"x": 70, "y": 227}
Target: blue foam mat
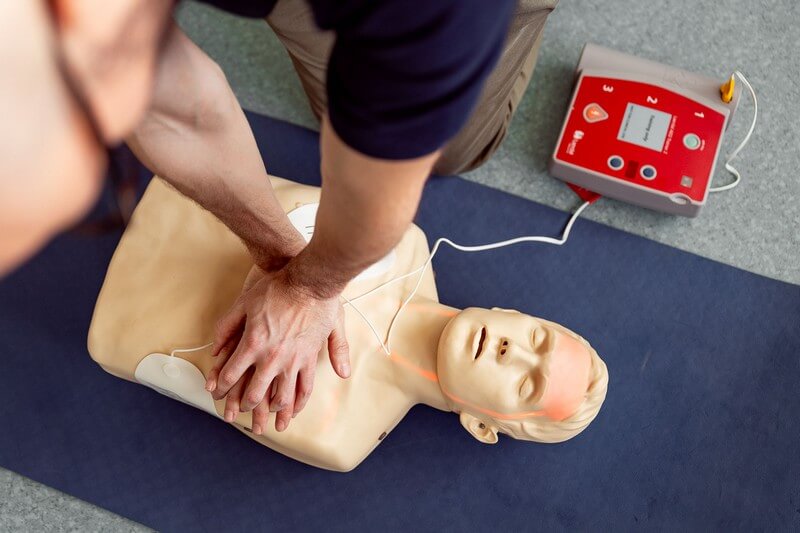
{"x": 700, "y": 427}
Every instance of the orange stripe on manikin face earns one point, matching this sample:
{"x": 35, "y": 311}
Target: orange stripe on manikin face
{"x": 431, "y": 376}
{"x": 493, "y": 414}
{"x": 569, "y": 372}
{"x": 569, "y": 368}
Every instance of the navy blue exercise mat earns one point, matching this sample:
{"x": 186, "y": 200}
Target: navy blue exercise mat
{"x": 700, "y": 427}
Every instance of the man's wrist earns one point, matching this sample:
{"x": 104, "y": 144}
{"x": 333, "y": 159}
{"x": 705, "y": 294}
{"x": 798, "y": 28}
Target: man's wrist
{"x": 273, "y": 256}
{"x": 313, "y": 276}
{"x": 272, "y": 261}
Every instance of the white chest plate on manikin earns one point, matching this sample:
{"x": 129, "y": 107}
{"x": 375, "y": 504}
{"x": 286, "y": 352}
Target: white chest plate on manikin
{"x": 177, "y": 378}
{"x": 304, "y": 218}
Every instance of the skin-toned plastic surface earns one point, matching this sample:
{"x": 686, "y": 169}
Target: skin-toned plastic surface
{"x": 177, "y": 269}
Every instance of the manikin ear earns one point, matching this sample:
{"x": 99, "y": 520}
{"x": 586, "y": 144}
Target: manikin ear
{"x": 485, "y": 433}
{"x": 505, "y": 310}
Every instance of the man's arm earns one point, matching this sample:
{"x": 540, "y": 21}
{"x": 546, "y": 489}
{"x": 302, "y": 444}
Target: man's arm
{"x": 366, "y": 205}
{"x": 197, "y": 138}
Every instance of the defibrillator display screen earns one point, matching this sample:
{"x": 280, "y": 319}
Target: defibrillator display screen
{"x": 644, "y": 127}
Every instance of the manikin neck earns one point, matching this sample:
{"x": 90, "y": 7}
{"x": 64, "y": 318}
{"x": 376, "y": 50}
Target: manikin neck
{"x": 414, "y": 346}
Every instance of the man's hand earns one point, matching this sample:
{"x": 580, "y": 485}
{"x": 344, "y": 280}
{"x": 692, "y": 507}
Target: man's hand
{"x": 272, "y": 367}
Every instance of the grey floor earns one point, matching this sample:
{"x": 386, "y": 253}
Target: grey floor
{"x": 753, "y": 227}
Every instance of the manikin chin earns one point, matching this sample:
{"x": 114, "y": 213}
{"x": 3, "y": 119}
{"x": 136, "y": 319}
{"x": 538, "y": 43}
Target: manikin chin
{"x": 502, "y": 372}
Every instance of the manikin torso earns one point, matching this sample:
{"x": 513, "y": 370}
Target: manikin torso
{"x": 177, "y": 269}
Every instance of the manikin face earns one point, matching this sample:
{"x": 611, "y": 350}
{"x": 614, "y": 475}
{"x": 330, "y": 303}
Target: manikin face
{"x": 505, "y": 365}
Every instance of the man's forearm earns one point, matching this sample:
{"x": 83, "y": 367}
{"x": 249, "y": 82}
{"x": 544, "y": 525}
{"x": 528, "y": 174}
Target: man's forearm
{"x": 197, "y": 138}
{"x": 365, "y": 207}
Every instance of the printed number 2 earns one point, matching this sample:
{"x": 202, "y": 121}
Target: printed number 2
{"x": 651, "y": 100}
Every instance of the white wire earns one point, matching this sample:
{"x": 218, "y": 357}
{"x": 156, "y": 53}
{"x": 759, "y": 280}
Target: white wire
{"x": 730, "y": 168}
{"x": 483, "y": 247}
{"x": 421, "y": 270}
{"x": 386, "y": 346}
{"x": 366, "y": 320}
{"x": 187, "y": 350}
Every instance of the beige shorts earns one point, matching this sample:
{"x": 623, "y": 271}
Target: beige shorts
{"x": 309, "y": 49}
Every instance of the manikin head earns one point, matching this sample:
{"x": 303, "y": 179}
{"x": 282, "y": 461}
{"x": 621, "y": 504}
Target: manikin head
{"x": 507, "y": 372}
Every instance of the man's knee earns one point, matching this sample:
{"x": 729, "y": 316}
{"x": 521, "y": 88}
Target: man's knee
{"x": 483, "y": 134}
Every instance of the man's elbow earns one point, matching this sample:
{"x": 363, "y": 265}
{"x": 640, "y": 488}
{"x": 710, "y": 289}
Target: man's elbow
{"x": 215, "y": 105}
{"x": 191, "y": 88}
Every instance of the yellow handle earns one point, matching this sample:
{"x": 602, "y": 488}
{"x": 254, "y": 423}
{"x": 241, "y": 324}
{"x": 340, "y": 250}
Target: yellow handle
{"x": 727, "y": 88}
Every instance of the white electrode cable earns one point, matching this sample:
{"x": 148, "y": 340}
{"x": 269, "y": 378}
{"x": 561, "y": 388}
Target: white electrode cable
{"x": 386, "y": 346}
{"x": 187, "y": 350}
{"x": 730, "y": 168}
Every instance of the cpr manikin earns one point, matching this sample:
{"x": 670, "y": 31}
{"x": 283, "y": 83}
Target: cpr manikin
{"x": 177, "y": 269}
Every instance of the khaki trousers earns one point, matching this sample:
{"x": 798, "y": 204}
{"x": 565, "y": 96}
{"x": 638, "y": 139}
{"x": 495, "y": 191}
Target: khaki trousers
{"x": 309, "y": 49}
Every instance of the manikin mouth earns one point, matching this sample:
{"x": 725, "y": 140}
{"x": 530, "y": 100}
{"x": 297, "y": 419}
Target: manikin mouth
{"x": 481, "y": 341}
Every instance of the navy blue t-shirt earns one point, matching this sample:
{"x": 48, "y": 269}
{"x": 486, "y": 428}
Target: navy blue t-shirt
{"x": 403, "y": 75}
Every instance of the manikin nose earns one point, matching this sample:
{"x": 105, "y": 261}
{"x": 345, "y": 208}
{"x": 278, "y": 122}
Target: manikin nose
{"x": 509, "y": 352}
{"x": 504, "y": 347}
